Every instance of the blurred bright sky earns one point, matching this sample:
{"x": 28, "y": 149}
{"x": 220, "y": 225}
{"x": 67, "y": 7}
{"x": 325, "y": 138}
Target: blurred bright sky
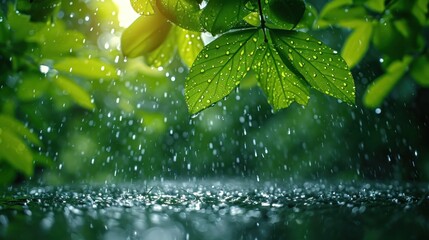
{"x": 126, "y": 12}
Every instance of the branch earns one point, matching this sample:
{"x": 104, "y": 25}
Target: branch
{"x": 261, "y": 15}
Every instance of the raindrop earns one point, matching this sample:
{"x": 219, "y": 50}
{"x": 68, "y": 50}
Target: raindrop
{"x": 44, "y": 69}
{"x": 377, "y": 110}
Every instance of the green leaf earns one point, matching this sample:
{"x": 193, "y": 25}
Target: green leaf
{"x": 144, "y": 35}
{"x": 143, "y": 7}
{"x": 219, "y": 67}
{"x": 321, "y": 66}
{"x": 163, "y": 55}
{"x": 357, "y": 44}
{"x": 15, "y": 152}
{"x": 184, "y": 13}
{"x": 253, "y": 19}
{"x": 334, "y": 5}
{"x": 381, "y": 86}
{"x": 33, "y": 86}
{"x": 420, "y": 70}
{"x": 78, "y": 94}
{"x": 19, "y": 129}
{"x": 420, "y": 11}
{"x": 280, "y": 14}
{"x": 189, "y": 44}
{"x": 346, "y": 13}
{"x": 221, "y": 15}
{"x": 87, "y": 68}
{"x": 375, "y": 5}
{"x": 340, "y": 12}
{"x": 280, "y": 84}
{"x": 328, "y": 8}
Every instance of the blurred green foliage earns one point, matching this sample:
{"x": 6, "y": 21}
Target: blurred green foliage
{"x": 73, "y": 109}
{"x": 397, "y": 29}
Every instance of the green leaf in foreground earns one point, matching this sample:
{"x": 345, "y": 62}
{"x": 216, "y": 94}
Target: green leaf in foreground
{"x": 381, "y": 86}
{"x": 220, "y": 16}
{"x": 320, "y": 66}
{"x": 279, "y": 83}
{"x": 219, "y": 67}
{"x": 184, "y": 13}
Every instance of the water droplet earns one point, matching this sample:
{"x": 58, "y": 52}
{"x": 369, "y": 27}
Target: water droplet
{"x": 301, "y": 64}
{"x": 377, "y": 110}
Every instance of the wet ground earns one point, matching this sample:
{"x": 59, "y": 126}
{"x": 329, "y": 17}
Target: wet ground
{"x": 226, "y": 209}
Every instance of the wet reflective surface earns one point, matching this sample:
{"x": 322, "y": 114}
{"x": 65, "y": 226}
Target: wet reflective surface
{"x": 227, "y": 209}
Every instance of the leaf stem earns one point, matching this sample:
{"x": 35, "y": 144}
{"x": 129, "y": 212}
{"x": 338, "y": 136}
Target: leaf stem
{"x": 262, "y": 20}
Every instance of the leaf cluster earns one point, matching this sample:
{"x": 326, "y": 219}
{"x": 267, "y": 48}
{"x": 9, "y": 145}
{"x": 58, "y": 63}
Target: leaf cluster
{"x": 252, "y": 38}
{"x": 396, "y": 29}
